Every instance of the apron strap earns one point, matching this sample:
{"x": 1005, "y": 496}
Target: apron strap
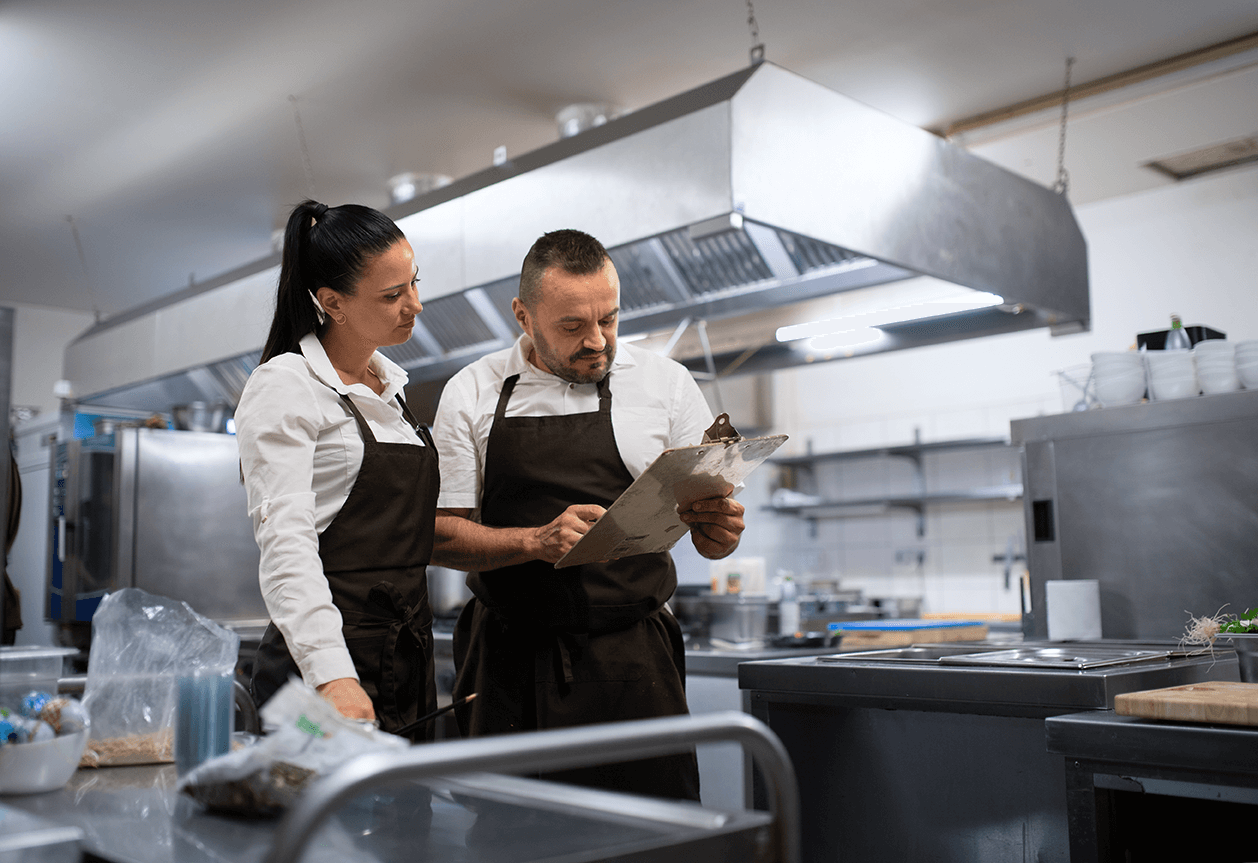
{"x": 604, "y": 395}
{"x": 363, "y": 428}
{"x": 508, "y": 386}
{"x": 420, "y": 428}
{"x": 567, "y": 645}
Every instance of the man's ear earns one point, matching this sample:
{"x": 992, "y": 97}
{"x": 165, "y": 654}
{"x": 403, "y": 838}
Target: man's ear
{"x": 522, "y": 316}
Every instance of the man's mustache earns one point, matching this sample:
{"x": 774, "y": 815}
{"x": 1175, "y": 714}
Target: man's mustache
{"x": 588, "y": 354}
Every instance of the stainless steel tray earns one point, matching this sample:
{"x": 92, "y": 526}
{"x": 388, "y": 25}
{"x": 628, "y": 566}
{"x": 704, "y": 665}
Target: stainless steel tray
{"x": 917, "y": 653}
{"x": 1056, "y": 657}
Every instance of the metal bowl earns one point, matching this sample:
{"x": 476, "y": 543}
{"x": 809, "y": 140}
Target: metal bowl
{"x": 199, "y": 417}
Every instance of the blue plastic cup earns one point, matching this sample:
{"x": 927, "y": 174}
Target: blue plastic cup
{"x": 203, "y": 719}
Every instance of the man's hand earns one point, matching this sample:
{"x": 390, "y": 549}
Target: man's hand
{"x": 716, "y": 525}
{"x": 348, "y": 697}
{"x": 554, "y": 540}
{"x": 461, "y": 543}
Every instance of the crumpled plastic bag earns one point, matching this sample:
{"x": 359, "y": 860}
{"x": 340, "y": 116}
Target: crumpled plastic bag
{"x": 306, "y": 738}
{"x": 141, "y": 645}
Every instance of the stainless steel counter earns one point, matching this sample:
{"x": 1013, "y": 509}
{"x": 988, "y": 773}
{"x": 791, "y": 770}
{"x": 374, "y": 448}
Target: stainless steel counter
{"x": 404, "y": 808}
{"x": 898, "y": 679}
{"x": 133, "y": 815}
{"x": 702, "y": 658}
{"x": 902, "y": 756}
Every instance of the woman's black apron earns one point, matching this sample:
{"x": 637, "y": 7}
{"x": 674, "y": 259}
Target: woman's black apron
{"x": 552, "y": 648}
{"x": 375, "y": 553}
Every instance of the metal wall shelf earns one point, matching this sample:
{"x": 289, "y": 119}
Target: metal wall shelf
{"x": 798, "y": 470}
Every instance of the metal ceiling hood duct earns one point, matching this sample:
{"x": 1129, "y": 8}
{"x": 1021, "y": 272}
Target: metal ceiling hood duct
{"x": 754, "y": 192}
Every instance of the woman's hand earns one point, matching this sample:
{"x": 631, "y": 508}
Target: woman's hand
{"x": 348, "y": 697}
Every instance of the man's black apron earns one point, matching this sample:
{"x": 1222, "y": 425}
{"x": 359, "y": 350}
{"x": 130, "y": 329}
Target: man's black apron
{"x": 552, "y": 648}
{"x": 375, "y": 553}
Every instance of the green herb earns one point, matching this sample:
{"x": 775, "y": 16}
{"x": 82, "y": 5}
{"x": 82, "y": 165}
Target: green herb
{"x": 1247, "y": 622}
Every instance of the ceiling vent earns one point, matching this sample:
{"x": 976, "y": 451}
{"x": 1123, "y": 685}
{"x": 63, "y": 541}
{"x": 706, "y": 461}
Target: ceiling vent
{"x": 1216, "y": 157}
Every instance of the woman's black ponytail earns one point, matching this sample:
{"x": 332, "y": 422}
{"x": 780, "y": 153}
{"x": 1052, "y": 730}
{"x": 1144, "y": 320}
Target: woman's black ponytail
{"x": 324, "y": 247}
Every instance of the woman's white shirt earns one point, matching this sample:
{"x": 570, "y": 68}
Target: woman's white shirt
{"x": 300, "y": 451}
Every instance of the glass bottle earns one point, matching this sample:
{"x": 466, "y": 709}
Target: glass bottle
{"x": 788, "y": 608}
{"x": 1176, "y": 338}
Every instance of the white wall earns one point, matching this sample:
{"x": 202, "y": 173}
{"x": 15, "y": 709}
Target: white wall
{"x": 40, "y": 336}
{"x": 1189, "y": 249}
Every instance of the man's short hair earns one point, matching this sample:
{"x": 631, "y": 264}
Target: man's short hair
{"x": 574, "y": 252}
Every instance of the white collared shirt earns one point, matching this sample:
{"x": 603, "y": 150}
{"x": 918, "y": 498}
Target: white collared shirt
{"x": 655, "y": 405}
{"x": 300, "y": 451}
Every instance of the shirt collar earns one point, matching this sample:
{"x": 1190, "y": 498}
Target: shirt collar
{"x": 518, "y": 361}
{"x": 394, "y": 377}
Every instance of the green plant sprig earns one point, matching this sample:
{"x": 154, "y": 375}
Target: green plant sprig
{"x": 1247, "y": 622}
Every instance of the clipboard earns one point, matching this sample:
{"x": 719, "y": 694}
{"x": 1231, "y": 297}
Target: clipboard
{"x": 644, "y": 518}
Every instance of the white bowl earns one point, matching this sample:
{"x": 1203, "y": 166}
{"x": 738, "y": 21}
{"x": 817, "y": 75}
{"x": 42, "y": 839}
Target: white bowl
{"x": 1223, "y": 380}
{"x": 1114, "y": 396}
{"x": 1248, "y": 375}
{"x": 1119, "y": 388}
{"x": 1214, "y": 346}
{"x": 31, "y": 768}
{"x": 1112, "y": 359}
{"x": 1167, "y": 360}
{"x": 1173, "y": 388}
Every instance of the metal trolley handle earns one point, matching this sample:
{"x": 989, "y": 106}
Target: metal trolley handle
{"x": 559, "y": 749}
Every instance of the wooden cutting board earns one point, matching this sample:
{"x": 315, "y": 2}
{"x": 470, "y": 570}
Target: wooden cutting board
{"x": 868, "y": 635}
{"x": 1213, "y": 701}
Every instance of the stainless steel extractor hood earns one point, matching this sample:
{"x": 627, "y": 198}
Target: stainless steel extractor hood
{"x": 751, "y": 202}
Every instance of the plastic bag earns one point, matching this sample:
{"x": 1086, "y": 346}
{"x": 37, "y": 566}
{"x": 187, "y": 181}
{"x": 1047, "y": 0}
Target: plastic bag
{"x": 141, "y": 645}
{"x": 306, "y": 737}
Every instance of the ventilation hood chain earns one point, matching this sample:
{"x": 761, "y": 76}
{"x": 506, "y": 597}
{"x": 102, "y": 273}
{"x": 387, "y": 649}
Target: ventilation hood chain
{"x": 758, "y": 201}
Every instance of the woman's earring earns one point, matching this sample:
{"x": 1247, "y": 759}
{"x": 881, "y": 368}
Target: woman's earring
{"x": 340, "y": 320}
{"x": 320, "y": 315}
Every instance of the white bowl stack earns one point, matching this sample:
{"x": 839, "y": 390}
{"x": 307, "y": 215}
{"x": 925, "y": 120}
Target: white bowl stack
{"x": 1216, "y": 366}
{"x": 1118, "y": 377}
{"x": 1171, "y": 375}
{"x": 1247, "y": 363}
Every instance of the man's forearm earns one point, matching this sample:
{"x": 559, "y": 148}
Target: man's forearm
{"x": 460, "y": 543}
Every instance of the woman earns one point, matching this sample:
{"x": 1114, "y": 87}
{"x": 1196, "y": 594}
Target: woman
{"x": 341, "y": 480}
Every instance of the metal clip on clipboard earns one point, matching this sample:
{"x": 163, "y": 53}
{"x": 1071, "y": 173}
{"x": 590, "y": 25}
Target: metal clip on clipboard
{"x": 644, "y": 519}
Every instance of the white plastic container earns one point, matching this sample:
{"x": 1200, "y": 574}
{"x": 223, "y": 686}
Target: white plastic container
{"x": 27, "y": 668}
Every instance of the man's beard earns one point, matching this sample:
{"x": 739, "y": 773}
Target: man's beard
{"x": 562, "y": 368}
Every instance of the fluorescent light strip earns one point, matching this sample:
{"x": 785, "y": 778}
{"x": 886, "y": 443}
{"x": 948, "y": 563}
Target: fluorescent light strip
{"x": 847, "y": 339}
{"x": 888, "y": 315}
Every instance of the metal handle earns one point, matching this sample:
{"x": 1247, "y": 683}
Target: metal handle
{"x": 552, "y": 750}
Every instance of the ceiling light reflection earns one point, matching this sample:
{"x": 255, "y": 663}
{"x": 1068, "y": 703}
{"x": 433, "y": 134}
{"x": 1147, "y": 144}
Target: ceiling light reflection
{"x": 918, "y": 309}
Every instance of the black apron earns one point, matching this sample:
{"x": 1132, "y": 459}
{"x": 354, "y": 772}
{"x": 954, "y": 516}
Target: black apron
{"x": 375, "y": 553}
{"x": 553, "y": 648}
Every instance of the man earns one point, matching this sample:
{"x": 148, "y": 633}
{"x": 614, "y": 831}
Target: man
{"x": 540, "y": 438}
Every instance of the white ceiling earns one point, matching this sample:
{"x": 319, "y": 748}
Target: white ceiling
{"x": 166, "y": 130}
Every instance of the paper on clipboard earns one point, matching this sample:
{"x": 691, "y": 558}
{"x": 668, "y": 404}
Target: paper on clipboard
{"x": 644, "y": 518}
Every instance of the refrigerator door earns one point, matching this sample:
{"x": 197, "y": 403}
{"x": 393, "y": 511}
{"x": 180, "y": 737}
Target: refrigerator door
{"x": 190, "y": 533}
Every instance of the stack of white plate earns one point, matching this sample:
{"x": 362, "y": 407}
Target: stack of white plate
{"x": 1247, "y": 363}
{"x": 1171, "y": 374}
{"x": 1118, "y": 378}
{"x": 1216, "y": 366}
